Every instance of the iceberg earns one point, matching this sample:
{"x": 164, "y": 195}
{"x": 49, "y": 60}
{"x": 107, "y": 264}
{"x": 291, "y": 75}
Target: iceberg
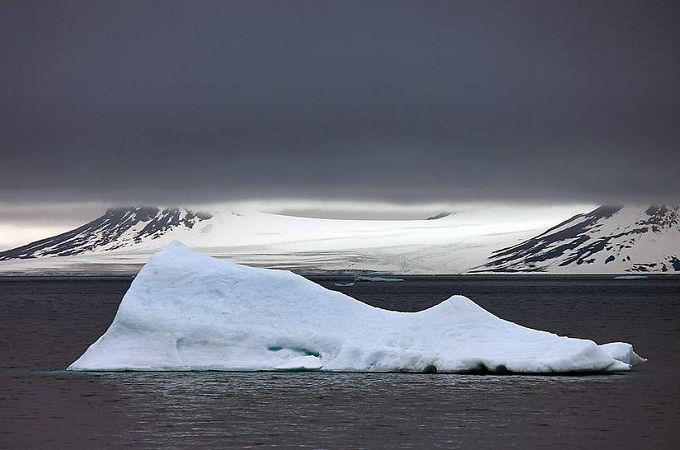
{"x": 187, "y": 311}
{"x": 377, "y": 279}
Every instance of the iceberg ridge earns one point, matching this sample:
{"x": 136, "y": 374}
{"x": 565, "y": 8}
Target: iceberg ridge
{"x": 187, "y": 311}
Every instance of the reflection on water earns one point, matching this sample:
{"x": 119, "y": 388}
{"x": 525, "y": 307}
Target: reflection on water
{"x": 45, "y": 326}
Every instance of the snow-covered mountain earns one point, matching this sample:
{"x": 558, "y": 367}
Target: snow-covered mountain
{"x": 610, "y": 239}
{"x": 117, "y": 228}
{"x": 121, "y": 240}
{"x": 606, "y": 240}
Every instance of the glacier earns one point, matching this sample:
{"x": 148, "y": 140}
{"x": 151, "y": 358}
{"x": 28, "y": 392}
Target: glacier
{"x": 188, "y": 311}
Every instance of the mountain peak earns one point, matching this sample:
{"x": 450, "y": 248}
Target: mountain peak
{"x": 116, "y": 228}
{"x": 142, "y": 210}
{"x": 607, "y": 239}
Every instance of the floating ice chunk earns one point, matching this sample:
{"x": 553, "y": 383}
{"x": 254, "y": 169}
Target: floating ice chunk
{"x": 187, "y": 311}
{"x": 377, "y": 279}
{"x": 623, "y": 352}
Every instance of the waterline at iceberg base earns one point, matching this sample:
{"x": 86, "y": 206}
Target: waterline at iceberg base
{"x": 187, "y": 311}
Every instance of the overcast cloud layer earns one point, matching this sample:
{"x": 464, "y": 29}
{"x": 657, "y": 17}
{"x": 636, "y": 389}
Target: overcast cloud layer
{"x": 180, "y": 102}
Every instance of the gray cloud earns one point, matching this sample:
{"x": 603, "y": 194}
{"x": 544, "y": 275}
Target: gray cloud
{"x": 169, "y": 101}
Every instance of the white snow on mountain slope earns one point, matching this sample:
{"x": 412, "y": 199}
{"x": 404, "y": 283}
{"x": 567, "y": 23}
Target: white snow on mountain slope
{"x": 116, "y": 228}
{"x": 450, "y": 244}
{"x": 187, "y": 311}
{"x": 607, "y": 240}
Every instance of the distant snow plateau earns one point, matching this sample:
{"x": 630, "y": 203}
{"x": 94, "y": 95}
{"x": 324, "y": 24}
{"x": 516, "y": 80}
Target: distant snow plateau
{"x": 613, "y": 240}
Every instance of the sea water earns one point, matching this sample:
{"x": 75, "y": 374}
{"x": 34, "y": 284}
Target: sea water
{"x": 45, "y": 324}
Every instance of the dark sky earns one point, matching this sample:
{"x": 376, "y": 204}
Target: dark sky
{"x": 168, "y": 101}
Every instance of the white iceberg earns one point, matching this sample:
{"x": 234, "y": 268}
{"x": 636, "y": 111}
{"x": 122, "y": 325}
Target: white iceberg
{"x": 188, "y": 311}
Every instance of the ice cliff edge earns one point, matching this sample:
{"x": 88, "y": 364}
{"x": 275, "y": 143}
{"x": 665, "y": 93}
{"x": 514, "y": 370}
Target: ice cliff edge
{"x": 188, "y": 311}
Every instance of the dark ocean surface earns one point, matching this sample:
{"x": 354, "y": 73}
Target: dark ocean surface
{"x": 45, "y": 324}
